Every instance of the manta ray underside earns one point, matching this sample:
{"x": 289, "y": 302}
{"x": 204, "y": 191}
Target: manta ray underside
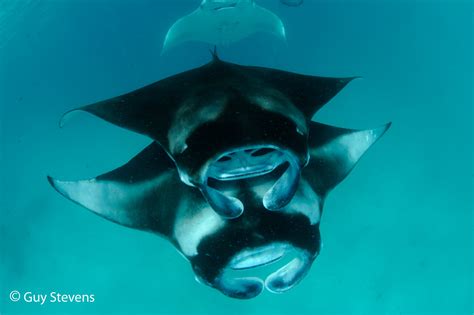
{"x": 236, "y": 175}
{"x": 220, "y": 22}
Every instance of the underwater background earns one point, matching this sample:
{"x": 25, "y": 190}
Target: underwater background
{"x": 397, "y": 232}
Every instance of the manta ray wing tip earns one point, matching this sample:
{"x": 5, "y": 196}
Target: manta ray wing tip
{"x": 65, "y": 188}
{"x": 347, "y": 80}
{"x": 50, "y": 180}
{"x": 378, "y": 132}
{"x": 385, "y": 127}
{"x": 64, "y": 118}
{"x": 67, "y": 115}
{"x": 54, "y": 183}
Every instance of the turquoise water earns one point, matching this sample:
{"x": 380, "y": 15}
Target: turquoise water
{"x": 397, "y": 232}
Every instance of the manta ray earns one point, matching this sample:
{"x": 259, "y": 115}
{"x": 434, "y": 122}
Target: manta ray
{"x": 219, "y": 22}
{"x": 236, "y": 174}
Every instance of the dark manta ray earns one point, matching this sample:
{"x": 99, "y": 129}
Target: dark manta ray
{"x": 236, "y": 175}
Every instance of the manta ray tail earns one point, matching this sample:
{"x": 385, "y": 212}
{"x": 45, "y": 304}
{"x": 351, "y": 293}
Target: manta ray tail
{"x": 334, "y": 152}
{"x": 214, "y": 54}
{"x": 136, "y": 195}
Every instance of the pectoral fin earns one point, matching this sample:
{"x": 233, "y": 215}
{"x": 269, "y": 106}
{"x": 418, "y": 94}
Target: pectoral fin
{"x": 308, "y": 93}
{"x": 334, "y": 152}
{"x": 142, "y": 194}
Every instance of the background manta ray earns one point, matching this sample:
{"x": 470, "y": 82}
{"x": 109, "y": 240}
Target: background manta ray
{"x": 220, "y": 22}
{"x": 237, "y": 173}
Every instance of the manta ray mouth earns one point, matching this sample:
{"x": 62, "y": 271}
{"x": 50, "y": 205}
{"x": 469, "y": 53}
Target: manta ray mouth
{"x": 246, "y": 163}
{"x": 250, "y": 162}
{"x": 297, "y": 262}
{"x": 257, "y": 257}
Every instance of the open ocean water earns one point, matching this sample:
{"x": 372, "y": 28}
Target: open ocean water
{"x": 397, "y": 232}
